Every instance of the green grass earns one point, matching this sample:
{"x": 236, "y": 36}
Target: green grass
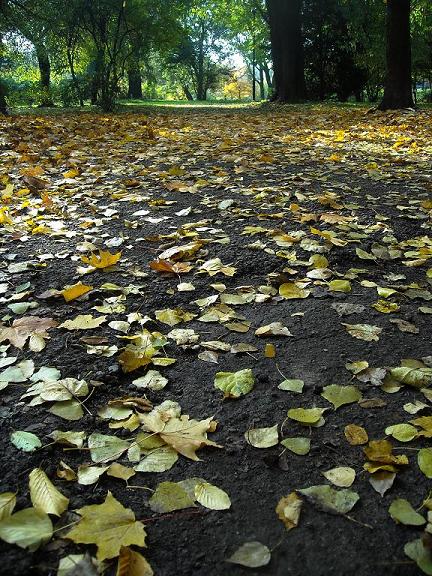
{"x": 189, "y": 103}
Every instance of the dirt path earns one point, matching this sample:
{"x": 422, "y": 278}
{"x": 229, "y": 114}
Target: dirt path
{"x": 272, "y": 194}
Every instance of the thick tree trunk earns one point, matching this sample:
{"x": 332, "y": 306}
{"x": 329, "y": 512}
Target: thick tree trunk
{"x": 45, "y": 74}
{"x": 135, "y": 83}
{"x": 285, "y": 21}
{"x": 398, "y": 85}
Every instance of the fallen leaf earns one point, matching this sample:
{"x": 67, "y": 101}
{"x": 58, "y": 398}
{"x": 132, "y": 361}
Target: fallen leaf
{"x": 109, "y": 526}
{"x": 251, "y": 555}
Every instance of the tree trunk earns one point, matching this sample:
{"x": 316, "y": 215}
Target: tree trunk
{"x": 45, "y": 74}
{"x": 135, "y": 83}
{"x": 261, "y": 83}
{"x": 398, "y": 86}
{"x": 268, "y": 76}
{"x": 285, "y": 21}
{"x": 3, "y": 104}
{"x": 188, "y": 93}
{"x": 76, "y": 84}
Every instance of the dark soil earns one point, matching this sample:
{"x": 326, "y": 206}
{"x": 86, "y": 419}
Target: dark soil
{"x": 198, "y": 541}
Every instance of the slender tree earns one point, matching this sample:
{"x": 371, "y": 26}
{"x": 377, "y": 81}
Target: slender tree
{"x": 285, "y": 21}
{"x": 398, "y": 91}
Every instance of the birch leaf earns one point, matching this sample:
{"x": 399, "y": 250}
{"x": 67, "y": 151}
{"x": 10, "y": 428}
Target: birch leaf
{"x": 340, "y": 395}
{"x": 27, "y": 528}
{"x": 25, "y": 441}
{"x": 262, "y": 437}
{"x": 402, "y": 511}
{"x": 44, "y": 495}
{"x": 288, "y": 510}
{"x": 251, "y": 555}
{"x": 211, "y": 496}
{"x": 7, "y": 504}
{"x": 235, "y": 384}
{"x": 330, "y": 500}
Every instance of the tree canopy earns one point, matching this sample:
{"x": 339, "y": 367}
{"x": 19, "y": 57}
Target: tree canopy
{"x": 74, "y": 51}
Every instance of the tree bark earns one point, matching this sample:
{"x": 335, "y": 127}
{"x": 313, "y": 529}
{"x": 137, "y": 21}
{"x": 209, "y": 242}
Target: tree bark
{"x": 398, "y": 85}
{"x": 261, "y": 83}
{"x": 3, "y": 104}
{"x": 76, "y": 84}
{"x": 285, "y": 20}
{"x": 45, "y": 74}
{"x": 188, "y": 93}
{"x": 135, "y": 83}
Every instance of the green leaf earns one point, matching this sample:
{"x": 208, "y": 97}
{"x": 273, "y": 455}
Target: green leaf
{"x": 262, "y": 437}
{"x": 292, "y": 386}
{"x": 306, "y": 416}
{"x": 340, "y": 286}
{"x": 19, "y": 373}
{"x": 365, "y": 332}
{"x": 402, "y": 432}
{"x": 169, "y": 496}
{"x": 424, "y": 459}
{"x": 330, "y": 500}
{"x": 88, "y": 475}
{"x": 340, "y": 395}
{"x": 211, "y": 496}
{"x": 69, "y": 410}
{"x": 27, "y": 528}
{"x": 402, "y": 511}
{"x": 152, "y": 380}
{"x": 300, "y": 446}
{"x": 421, "y": 555}
{"x": 158, "y": 460}
{"x": 416, "y": 377}
{"x": 105, "y": 448}
{"x": 235, "y": 384}
{"x": 251, "y": 555}
{"x": 25, "y": 441}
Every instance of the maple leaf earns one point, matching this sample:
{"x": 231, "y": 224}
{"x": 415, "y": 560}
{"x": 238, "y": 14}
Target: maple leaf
{"x": 109, "y": 526}
{"x": 170, "y": 267}
{"x": 102, "y": 260}
{"x": 32, "y": 327}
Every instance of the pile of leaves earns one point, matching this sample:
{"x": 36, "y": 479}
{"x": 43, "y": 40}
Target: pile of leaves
{"x": 214, "y": 338}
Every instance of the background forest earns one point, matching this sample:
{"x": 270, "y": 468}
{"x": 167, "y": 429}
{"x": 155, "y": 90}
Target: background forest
{"x": 79, "y": 52}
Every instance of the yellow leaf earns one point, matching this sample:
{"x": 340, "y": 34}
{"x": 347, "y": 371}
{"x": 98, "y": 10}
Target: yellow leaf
{"x": 186, "y": 436}
{"x": 73, "y": 173}
{"x": 270, "y": 351}
{"x": 109, "y": 526}
{"x": 73, "y": 292}
{"x": 340, "y": 286}
{"x": 356, "y": 435}
{"x": 83, "y": 322}
{"x": 288, "y": 510}
{"x": 44, "y": 495}
{"x": 291, "y": 291}
{"x": 131, "y": 563}
{"x": 7, "y": 504}
{"x": 102, "y": 260}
